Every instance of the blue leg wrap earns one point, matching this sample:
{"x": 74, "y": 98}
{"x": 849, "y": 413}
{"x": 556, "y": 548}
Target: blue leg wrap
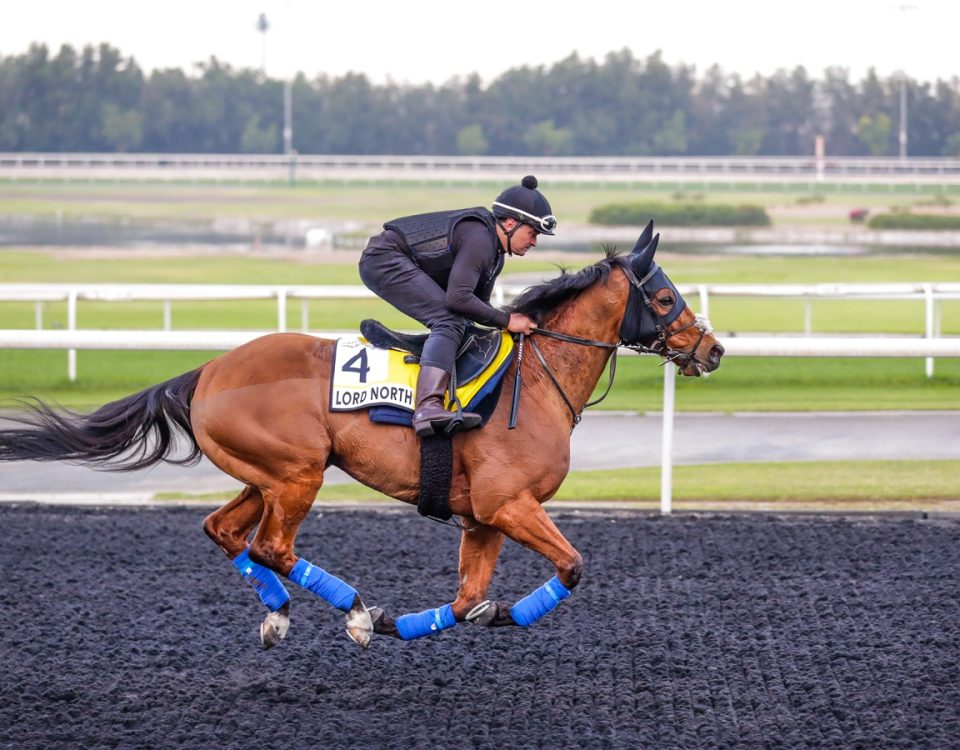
{"x": 264, "y": 581}
{"x": 425, "y": 623}
{"x": 545, "y": 599}
{"x": 338, "y": 593}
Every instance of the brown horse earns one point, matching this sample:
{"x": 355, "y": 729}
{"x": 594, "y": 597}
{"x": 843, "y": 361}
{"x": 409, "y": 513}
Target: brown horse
{"x": 261, "y": 414}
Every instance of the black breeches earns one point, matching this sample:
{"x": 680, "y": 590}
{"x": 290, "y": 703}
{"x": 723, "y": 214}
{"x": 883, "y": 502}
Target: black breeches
{"x": 393, "y": 276}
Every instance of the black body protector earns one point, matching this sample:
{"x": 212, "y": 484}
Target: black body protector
{"x": 428, "y": 237}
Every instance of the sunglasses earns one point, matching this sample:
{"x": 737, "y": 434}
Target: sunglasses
{"x": 541, "y": 223}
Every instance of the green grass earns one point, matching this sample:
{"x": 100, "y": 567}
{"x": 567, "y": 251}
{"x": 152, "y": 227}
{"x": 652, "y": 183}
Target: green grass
{"x": 779, "y": 384}
{"x": 374, "y": 202}
{"x": 864, "y": 485}
{"x": 25, "y": 266}
{"x": 744, "y": 384}
{"x": 822, "y": 481}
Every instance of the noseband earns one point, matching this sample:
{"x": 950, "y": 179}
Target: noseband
{"x": 681, "y": 358}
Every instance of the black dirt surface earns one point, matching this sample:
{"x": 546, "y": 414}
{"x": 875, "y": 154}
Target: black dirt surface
{"x": 128, "y": 628}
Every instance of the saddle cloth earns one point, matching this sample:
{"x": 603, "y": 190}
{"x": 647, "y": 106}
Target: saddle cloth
{"x": 365, "y": 376}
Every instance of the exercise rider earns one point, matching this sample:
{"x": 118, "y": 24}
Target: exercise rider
{"x": 439, "y": 268}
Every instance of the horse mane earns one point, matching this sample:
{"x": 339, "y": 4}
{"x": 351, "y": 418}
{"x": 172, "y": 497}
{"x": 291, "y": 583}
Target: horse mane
{"x": 537, "y": 301}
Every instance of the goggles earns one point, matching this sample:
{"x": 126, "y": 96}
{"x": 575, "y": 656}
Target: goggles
{"x": 541, "y": 223}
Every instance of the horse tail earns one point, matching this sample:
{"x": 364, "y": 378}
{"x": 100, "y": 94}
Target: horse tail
{"x": 133, "y": 433}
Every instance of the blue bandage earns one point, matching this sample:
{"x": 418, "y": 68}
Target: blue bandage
{"x": 338, "y": 593}
{"x": 264, "y": 581}
{"x": 545, "y": 599}
{"x": 425, "y": 623}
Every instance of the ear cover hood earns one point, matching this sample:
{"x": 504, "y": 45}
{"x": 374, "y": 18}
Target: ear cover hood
{"x": 642, "y": 254}
{"x": 641, "y": 325}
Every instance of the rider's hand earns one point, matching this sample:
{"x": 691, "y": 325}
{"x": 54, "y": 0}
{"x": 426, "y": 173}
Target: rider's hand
{"x": 520, "y": 323}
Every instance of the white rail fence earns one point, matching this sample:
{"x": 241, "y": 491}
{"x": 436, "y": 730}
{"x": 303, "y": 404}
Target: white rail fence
{"x": 771, "y": 346}
{"x": 931, "y": 294}
{"x": 920, "y": 172}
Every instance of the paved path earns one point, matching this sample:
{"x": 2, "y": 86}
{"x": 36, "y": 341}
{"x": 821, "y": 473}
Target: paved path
{"x": 603, "y": 440}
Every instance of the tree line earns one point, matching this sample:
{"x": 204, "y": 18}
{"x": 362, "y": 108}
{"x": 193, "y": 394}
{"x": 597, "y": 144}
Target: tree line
{"x": 98, "y": 100}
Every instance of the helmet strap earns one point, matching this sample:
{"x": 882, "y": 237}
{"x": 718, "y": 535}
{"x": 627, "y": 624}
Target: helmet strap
{"x": 507, "y": 234}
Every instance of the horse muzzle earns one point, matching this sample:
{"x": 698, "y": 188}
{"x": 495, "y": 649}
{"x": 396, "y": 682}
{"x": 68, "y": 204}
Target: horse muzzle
{"x": 702, "y": 363}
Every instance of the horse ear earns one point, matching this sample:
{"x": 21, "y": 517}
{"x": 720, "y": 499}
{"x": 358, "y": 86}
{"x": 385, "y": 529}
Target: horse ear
{"x": 641, "y": 259}
{"x": 645, "y": 236}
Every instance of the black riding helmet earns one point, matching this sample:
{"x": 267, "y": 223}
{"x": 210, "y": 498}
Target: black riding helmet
{"x": 527, "y": 205}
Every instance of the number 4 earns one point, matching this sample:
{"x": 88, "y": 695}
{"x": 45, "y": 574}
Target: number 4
{"x": 361, "y": 369}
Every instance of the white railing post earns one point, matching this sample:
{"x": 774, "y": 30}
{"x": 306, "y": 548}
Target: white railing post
{"x": 304, "y": 315}
{"x": 928, "y": 323}
{"x": 704, "y": 300}
{"x": 167, "y": 315}
{"x": 807, "y": 316}
{"x": 72, "y": 326}
{"x": 38, "y": 315}
{"x": 666, "y": 454}
{"x": 281, "y": 310}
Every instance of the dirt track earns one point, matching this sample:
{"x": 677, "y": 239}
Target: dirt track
{"x": 124, "y": 628}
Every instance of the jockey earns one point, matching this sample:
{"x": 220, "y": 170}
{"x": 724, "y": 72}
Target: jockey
{"x": 439, "y": 268}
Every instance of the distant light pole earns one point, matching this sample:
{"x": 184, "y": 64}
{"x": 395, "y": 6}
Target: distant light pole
{"x": 263, "y": 26}
{"x": 287, "y": 22}
{"x": 904, "y": 8}
{"x": 287, "y": 116}
{"x": 903, "y": 115}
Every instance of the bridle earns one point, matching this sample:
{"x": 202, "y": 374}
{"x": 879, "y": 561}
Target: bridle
{"x": 681, "y": 358}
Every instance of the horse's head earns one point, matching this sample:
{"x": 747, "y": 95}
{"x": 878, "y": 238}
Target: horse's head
{"x": 657, "y": 318}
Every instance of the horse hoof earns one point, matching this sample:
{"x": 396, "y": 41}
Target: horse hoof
{"x": 483, "y": 613}
{"x": 490, "y": 613}
{"x": 359, "y": 624}
{"x": 383, "y": 624}
{"x": 274, "y": 628}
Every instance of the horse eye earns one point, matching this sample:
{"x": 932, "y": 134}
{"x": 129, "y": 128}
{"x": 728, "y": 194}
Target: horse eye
{"x": 666, "y": 301}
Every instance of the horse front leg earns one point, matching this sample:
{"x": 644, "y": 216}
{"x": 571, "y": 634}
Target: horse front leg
{"x": 526, "y": 522}
{"x": 479, "y": 549}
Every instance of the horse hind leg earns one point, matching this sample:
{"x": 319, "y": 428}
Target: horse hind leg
{"x": 229, "y": 527}
{"x": 283, "y": 511}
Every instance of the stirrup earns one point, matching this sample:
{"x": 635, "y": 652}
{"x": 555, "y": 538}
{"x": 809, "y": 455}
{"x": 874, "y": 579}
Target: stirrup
{"x": 439, "y": 424}
{"x": 462, "y": 421}
{"x": 448, "y": 425}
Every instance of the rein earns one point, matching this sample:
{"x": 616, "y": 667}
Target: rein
{"x": 565, "y": 337}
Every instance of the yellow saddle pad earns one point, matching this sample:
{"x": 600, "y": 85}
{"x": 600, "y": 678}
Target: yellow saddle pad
{"x": 364, "y": 376}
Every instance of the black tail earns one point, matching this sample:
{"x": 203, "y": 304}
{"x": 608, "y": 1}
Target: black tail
{"x": 125, "y": 435}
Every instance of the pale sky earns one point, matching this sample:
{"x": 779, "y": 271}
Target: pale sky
{"x": 434, "y": 40}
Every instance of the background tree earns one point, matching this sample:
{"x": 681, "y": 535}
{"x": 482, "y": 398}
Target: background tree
{"x": 874, "y": 133}
{"x": 96, "y": 99}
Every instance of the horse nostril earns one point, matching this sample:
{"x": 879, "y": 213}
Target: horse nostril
{"x": 716, "y": 351}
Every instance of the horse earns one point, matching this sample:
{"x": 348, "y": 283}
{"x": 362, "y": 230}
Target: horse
{"x": 261, "y": 414}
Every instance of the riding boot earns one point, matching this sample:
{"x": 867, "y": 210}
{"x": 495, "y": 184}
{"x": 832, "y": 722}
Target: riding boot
{"x": 430, "y": 417}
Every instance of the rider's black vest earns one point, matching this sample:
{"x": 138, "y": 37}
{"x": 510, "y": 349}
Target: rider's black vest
{"x": 428, "y": 237}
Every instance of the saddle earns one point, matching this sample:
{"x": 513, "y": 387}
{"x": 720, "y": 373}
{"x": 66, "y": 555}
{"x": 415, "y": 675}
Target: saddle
{"x": 478, "y": 347}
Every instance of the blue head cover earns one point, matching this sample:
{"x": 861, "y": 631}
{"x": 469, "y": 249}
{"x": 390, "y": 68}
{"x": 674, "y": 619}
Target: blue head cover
{"x": 641, "y": 323}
